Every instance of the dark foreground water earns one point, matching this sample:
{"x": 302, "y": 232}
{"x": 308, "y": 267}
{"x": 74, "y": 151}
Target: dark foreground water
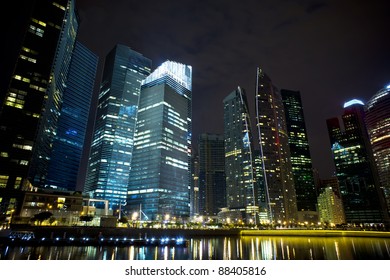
{"x": 241, "y": 248}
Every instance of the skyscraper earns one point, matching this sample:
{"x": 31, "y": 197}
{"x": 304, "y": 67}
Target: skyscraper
{"x": 299, "y": 148}
{"x": 39, "y": 43}
{"x": 274, "y": 151}
{"x": 68, "y": 144}
{"x": 160, "y": 177}
{"x": 241, "y": 188}
{"x": 113, "y": 137}
{"x": 378, "y": 125}
{"x": 355, "y": 170}
{"x": 54, "y": 98}
{"x": 212, "y": 183}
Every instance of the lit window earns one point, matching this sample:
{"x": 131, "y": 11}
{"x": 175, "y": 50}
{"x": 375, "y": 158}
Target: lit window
{"x": 3, "y": 181}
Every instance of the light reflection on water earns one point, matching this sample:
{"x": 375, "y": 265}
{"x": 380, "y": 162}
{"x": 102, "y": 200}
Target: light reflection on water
{"x": 243, "y": 248}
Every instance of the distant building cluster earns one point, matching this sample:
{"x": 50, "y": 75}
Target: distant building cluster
{"x": 142, "y": 162}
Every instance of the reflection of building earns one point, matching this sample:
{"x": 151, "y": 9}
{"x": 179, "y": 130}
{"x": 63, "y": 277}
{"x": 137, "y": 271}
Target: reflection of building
{"x": 34, "y": 63}
{"x": 212, "y": 183}
{"x": 299, "y": 148}
{"x": 274, "y": 151}
{"x": 160, "y": 177}
{"x": 378, "y": 126}
{"x": 113, "y": 138}
{"x": 330, "y": 207}
{"x": 355, "y": 170}
{"x": 241, "y": 189}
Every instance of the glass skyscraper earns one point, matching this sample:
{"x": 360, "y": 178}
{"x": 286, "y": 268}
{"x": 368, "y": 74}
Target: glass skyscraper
{"x": 39, "y": 42}
{"x": 241, "y": 188}
{"x": 68, "y": 144}
{"x": 160, "y": 177}
{"x": 275, "y": 156}
{"x": 299, "y": 148}
{"x": 355, "y": 170}
{"x": 113, "y": 137}
{"x": 54, "y": 98}
{"x": 212, "y": 181}
{"x": 378, "y": 125}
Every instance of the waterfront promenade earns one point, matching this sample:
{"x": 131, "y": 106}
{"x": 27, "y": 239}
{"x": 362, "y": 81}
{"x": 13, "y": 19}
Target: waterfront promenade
{"x": 52, "y": 232}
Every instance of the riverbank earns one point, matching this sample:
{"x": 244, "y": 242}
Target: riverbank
{"x": 316, "y": 233}
{"x": 94, "y": 233}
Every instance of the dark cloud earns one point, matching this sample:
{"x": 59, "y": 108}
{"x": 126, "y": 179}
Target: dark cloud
{"x": 331, "y": 51}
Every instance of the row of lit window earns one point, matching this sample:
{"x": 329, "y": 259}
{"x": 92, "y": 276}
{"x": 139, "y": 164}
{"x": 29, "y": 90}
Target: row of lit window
{"x": 36, "y": 30}
{"x": 4, "y": 181}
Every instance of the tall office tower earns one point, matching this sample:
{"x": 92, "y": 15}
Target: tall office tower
{"x": 54, "y": 98}
{"x": 299, "y": 148}
{"x": 39, "y": 41}
{"x": 212, "y": 183}
{"x": 378, "y": 125}
{"x": 113, "y": 137}
{"x": 68, "y": 144}
{"x": 160, "y": 177}
{"x": 194, "y": 193}
{"x": 275, "y": 151}
{"x": 355, "y": 170}
{"x": 241, "y": 188}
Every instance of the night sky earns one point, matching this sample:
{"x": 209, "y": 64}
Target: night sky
{"x": 331, "y": 51}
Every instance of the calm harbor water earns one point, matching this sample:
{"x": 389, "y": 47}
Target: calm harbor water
{"x": 228, "y": 248}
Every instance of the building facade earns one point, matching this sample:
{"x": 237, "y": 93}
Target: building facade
{"x": 68, "y": 145}
{"x": 330, "y": 207}
{"x": 378, "y": 125}
{"x": 212, "y": 181}
{"x": 160, "y": 177}
{"x": 355, "y": 169}
{"x": 39, "y": 44}
{"x": 300, "y": 153}
{"x": 194, "y": 192}
{"x": 241, "y": 188}
{"x": 54, "y": 97}
{"x": 113, "y": 137}
{"x": 275, "y": 156}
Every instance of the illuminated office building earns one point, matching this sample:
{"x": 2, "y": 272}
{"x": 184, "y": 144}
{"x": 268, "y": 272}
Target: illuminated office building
{"x": 359, "y": 187}
{"x": 68, "y": 144}
{"x": 160, "y": 177}
{"x": 299, "y": 148}
{"x": 241, "y": 188}
{"x": 330, "y": 207}
{"x": 212, "y": 183}
{"x": 274, "y": 152}
{"x": 35, "y": 61}
{"x": 378, "y": 125}
{"x": 113, "y": 136}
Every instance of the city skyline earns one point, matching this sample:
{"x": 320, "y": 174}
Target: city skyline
{"x": 328, "y": 61}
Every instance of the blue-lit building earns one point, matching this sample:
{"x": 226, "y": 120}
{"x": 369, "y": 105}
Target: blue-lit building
{"x": 241, "y": 189}
{"x": 160, "y": 177}
{"x": 54, "y": 97}
{"x": 275, "y": 158}
{"x": 360, "y": 191}
{"x": 35, "y": 59}
{"x": 113, "y": 137}
{"x": 68, "y": 144}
